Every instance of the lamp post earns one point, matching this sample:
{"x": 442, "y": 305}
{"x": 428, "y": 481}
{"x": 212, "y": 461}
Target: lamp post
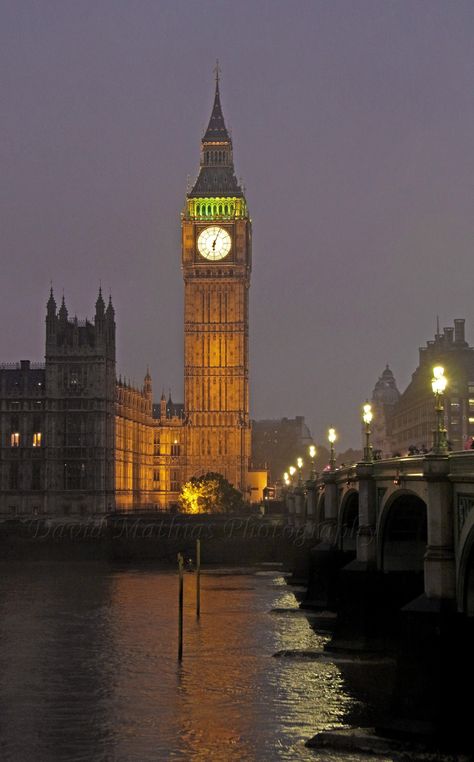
{"x": 292, "y": 471}
{"x": 332, "y": 436}
{"x": 299, "y": 463}
{"x": 367, "y": 419}
{"x": 312, "y": 455}
{"x": 438, "y": 384}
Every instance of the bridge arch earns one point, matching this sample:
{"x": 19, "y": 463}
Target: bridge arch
{"x": 349, "y": 521}
{"x": 402, "y": 533}
{"x": 465, "y": 591}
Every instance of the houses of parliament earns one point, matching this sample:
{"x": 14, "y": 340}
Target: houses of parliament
{"x": 77, "y": 440}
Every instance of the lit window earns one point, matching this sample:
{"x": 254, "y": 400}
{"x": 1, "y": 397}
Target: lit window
{"x": 471, "y": 419}
{"x": 15, "y": 439}
{"x": 37, "y": 439}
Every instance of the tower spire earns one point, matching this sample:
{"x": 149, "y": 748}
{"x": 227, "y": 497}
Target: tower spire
{"x": 216, "y": 175}
{"x": 216, "y": 129}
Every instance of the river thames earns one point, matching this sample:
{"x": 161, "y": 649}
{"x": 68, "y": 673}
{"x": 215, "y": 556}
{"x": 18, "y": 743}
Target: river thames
{"x": 88, "y": 668}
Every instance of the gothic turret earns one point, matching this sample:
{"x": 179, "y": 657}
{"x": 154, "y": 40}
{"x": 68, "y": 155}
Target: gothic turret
{"x": 51, "y": 305}
{"x": 99, "y": 306}
{"x": 51, "y": 317}
{"x": 163, "y": 406}
{"x": 62, "y": 314}
{"x": 147, "y": 386}
{"x": 110, "y": 312}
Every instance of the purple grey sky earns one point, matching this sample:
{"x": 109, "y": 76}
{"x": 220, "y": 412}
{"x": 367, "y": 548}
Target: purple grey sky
{"x": 353, "y": 128}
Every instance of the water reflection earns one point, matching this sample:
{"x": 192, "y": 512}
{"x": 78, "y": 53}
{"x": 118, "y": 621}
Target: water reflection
{"x": 55, "y": 663}
{"x": 89, "y": 670}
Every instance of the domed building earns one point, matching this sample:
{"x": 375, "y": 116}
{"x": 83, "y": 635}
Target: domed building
{"x": 384, "y": 398}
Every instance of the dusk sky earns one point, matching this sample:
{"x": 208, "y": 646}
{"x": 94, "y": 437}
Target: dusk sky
{"x": 353, "y": 130}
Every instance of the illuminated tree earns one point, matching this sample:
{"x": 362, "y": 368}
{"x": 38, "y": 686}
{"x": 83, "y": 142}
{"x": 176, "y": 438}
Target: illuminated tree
{"x": 209, "y": 493}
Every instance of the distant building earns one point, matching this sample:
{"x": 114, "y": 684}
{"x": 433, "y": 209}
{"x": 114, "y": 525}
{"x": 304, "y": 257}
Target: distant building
{"x": 413, "y": 418}
{"x": 276, "y": 443}
{"x": 384, "y": 398}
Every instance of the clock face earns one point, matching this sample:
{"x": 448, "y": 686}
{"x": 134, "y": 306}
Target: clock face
{"x": 214, "y": 243}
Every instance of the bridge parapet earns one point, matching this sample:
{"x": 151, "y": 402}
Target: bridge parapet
{"x": 461, "y": 466}
{"x": 399, "y": 468}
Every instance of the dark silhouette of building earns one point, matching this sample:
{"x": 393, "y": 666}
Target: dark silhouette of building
{"x": 384, "y": 398}
{"x": 277, "y": 443}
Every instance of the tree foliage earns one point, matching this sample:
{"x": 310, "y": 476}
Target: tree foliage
{"x": 209, "y": 493}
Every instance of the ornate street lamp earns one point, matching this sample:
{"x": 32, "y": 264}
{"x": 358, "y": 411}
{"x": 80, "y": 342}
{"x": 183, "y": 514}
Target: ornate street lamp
{"x": 292, "y": 471}
{"x": 286, "y": 478}
{"x": 367, "y": 419}
{"x": 332, "y": 436}
{"x": 312, "y": 455}
{"x": 299, "y": 463}
{"x": 438, "y": 384}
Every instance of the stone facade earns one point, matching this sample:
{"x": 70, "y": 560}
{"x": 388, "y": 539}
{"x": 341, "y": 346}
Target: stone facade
{"x": 58, "y": 420}
{"x": 133, "y": 445}
{"x": 74, "y": 440}
{"x": 216, "y": 284}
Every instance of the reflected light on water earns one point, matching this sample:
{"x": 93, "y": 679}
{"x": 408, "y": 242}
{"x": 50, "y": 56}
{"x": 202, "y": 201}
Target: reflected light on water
{"x": 88, "y": 668}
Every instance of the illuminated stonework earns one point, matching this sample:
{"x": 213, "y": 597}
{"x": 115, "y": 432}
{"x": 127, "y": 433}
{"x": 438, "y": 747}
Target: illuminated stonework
{"x": 216, "y": 371}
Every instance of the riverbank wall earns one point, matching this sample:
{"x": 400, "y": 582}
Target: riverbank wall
{"x": 158, "y": 539}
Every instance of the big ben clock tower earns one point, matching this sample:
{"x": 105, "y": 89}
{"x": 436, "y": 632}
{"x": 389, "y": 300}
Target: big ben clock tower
{"x": 216, "y": 263}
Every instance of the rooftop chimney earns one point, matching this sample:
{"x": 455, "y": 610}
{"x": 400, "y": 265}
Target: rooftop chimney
{"x": 459, "y": 331}
{"x": 448, "y": 335}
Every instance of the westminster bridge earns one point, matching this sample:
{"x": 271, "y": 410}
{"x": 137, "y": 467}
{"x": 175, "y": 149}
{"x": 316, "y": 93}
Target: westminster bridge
{"x": 410, "y": 518}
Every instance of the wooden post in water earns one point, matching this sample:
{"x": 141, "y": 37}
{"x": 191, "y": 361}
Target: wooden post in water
{"x": 198, "y": 578}
{"x": 180, "y": 606}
